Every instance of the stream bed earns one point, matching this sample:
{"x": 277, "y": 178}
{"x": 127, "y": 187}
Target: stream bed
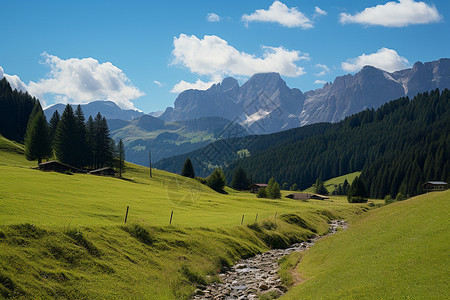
{"x": 256, "y": 275}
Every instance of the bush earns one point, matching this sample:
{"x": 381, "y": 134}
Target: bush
{"x": 400, "y": 197}
{"x": 273, "y": 189}
{"x": 357, "y": 199}
{"x": 216, "y": 180}
{"x": 262, "y": 193}
{"x": 388, "y": 200}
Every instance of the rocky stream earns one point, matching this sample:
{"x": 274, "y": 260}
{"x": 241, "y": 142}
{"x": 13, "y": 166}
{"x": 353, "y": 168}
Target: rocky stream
{"x": 256, "y": 275}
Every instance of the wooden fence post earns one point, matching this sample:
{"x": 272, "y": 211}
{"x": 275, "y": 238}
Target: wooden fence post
{"x": 242, "y": 221}
{"x": 126, "y": 214}
{"x": 256, "y": 219}
{"x": 171, "y": 215}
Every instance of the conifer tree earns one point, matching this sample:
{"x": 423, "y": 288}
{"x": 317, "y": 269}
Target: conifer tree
{"x": 80, "y": 138}
{"x": 90, "y": 142}
{"x": 37, "y": 142}
{"x": 239, "y": 181}
{"x": 216, "y": 180}
{"x": 64, "y": 143}
{"x": 188, "y": 169}
{"x": 120, "y": 158}
{"x": 53, "y": 125}
{"x": 273, "y": 189}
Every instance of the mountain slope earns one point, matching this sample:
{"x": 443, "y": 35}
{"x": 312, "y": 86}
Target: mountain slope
{"x": 108, "y": 109}
{"x": 265, "y": 104}
{"x": 397, "y": 147}
{"x": 405, "y": 256}
{"x": 165, "y": 139}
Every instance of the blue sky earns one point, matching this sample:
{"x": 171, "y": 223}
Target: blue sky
{"x": 143, "y": 53}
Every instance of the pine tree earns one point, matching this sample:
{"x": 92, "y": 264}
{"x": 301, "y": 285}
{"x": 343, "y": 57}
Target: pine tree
{"x": 319, "y": 187}
{"x": 53, "y": 125}
{"x": 188, "y": 169}
{"x": 273, "y": 189}
{"x": 37, "y": 142}
{"x": 216, "y": 180}
{"x": 239, "y": 181}
{"x": 121, "y": 158}
{"x": 64, "y": 143}
{"x": 90, "y": 142}
{"x": 80, "y": 138}
{"x": 357, "y": 192}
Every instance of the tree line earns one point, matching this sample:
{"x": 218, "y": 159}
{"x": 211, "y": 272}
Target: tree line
{"x": 397, "y": 147}
{"x": 72, "y": 140}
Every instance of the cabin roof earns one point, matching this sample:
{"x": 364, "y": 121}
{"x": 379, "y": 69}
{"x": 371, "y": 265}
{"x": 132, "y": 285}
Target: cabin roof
{"x": 103, "y": 169}
{"x": 258, "y": 184}
{"x": 435, "y": 183}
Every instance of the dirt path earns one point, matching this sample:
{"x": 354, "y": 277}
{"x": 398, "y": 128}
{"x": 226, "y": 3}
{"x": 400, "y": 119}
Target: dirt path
{"x": 256, "y": 275}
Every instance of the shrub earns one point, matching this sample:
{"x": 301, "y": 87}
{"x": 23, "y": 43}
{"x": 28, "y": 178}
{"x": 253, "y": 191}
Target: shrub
{"x": 216, "y": 180}
{"x": 273, "y": 189}
{"x": 400, "y": 197}
{"x": 357, "y": 199}
{"x": 262, "y": 193}
{"x": 388, "y": 200}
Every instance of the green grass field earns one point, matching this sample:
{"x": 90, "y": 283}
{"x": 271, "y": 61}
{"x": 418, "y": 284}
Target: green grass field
{"x": 400, "y": 251}
{"x": 64, "y": 235}
{"x": 329, "y": 184}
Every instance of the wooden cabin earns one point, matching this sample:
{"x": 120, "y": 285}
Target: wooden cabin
{"x": 107, "y": 171}
{"x": 434, "y": 186}
{"x": 304, "y": 197}
{"x": 57, "y": 166}
{"x": 255, "y": 187}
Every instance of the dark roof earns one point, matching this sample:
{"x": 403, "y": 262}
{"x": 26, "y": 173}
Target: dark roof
{"x": 258, "y": 185}
{"x": 436, "y": 183}
{"x": 103, "y": 169}
{"x": 55, "y": 162}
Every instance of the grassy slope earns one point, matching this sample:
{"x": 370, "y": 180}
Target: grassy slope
{"x": 63, "y": 235}
{"x": 398, "y": 251}
{"x": 329, "y": 184}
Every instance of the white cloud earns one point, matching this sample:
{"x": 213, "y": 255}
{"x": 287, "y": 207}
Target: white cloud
{"x": 279, "y": 13}
{"x": 14, "y": 81}
{"x": 198, "y": 85}
{"x": 395, "y": 14}
{"x": 214, "y": 57}
{"x": 158, "y": 84}
{"x": 319, "y": 12}
{"x": 212, "y": 17}
{"x": 324, "y": 68}
{"x": 385, "y": 59}
{"x": 320, "y": 82}
{"x": 83, "y": 80}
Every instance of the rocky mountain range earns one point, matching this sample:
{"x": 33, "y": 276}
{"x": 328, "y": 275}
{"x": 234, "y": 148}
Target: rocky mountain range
{"x": 108, "y": 109}
{"x": 265, "y": 104}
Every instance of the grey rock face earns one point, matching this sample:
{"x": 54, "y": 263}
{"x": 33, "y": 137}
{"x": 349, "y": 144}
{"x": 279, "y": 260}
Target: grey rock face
{"x": 265, "y": 104}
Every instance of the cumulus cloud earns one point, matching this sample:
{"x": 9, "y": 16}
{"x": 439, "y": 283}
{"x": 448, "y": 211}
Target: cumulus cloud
{"x": 385, "y": 59}
{"x": 212, "y": 17}
{"x": 279, "y": 13}
{"x": 395, "y": 14}
{"x": 320, "y": 82}
{"x": 319, "y": 12}
{"x": 213, "y": 56}
{"x": 324, "y": 68}
{"x": 83, "y": 80}
{"x": 198, "y": 85}
{"x": 14, "y": 81}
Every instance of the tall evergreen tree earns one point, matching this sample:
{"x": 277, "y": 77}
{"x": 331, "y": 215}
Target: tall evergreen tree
{"x": 120, "y": 158}
{"x": 37, "y": 142}
{"x": 319, "y": 187}
{"x": 273, "y": 189}
{"x": 64, "y": 143}
{"x": 357, "y": 192}
{"x": 80, "y": 137}
{"x": 90, "y": 142}
{"x": 188, "y": 169}
{"x": 239, "y": 181}
{"x": 54, "y": 120}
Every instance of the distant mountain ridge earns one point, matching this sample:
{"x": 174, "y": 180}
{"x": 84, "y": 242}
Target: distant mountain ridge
{"x": 108, "y": 109}
{"x": 265, "y": 104}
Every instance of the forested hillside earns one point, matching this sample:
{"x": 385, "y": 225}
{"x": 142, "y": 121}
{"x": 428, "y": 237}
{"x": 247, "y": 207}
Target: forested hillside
{"x": 397, "y": 147}
{"x": 15, "y": 109}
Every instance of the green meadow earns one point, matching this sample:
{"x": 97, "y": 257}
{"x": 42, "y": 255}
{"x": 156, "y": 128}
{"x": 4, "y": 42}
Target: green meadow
{"x": 399, "y": 251}
{"x": 63, "y": 235}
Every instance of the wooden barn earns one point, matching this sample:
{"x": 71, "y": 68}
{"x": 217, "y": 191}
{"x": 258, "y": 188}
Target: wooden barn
{"x": 434, "y": 186}
{"x": 57, "y": 166}
{"x": 255, "y": 187}
{"x": 107, "y": 171}
{"x": 304, "y": 197}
